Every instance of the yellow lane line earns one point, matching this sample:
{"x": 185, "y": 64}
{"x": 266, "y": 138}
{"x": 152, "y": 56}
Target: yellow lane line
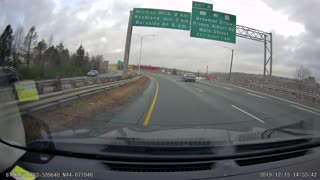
{"x": 147, "y": 120}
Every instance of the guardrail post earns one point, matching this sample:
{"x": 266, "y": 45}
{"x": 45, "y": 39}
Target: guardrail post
{"x": 73, "y": 84}
{"x": 250, "y": 83}
{"x": 58, "y": 85}
{"x": 85, "y": 82}
{"x": 40, "y": 88}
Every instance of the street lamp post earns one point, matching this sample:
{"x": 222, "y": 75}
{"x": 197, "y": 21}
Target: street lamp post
{"x": 141, "y": 41}
{"x": 207, "y": 72}
{"x": 231, "y": 62}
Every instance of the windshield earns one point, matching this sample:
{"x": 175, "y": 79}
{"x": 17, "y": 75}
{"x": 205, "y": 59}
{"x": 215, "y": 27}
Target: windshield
{"x": 158, "y": 73}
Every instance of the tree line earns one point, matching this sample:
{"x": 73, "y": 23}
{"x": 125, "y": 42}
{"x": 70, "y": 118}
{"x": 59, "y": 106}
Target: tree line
{"x": 38, "y": 59}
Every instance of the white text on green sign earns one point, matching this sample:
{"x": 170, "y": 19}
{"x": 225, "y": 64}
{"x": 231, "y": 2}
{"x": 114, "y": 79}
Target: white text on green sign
{"x": 202, "y": 5}
{"x": 161, "y": 18}
{"x": 213, "y": 25}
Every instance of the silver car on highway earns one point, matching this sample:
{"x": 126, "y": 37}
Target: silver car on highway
{"x": 93, "y": 73}
{"x": 188, "y": 77}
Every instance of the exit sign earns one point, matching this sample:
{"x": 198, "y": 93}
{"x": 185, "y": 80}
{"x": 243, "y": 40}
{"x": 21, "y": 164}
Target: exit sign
{"x": 202, "y": 5}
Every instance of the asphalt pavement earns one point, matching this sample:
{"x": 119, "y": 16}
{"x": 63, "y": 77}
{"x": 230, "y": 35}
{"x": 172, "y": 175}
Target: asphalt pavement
{"x": 109, "y": 74}
{"x": 167, "y": 102}
{"x": 217, "y": 104}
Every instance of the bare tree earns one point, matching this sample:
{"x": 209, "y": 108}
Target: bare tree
{"x": 17, "y": 44}
{"x": 50, "y": 40}
{"x": 302, "y": 73}
{"x": 29, "y": 41}
{"x": 6, "y": 39}
{"x": 40, "y": 48}
{"x": 99, "y": 58}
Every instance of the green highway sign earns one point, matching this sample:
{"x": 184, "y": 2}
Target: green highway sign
{"x": 213, "y": 25}
{"x": 161, "y": 18}
{"x": 202, "y": 5}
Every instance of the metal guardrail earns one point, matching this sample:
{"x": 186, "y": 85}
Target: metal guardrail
{"x": 300, "y": 94}
{"x": 55, "y": 98}
{"x": 314, "y": 97}
{"x": 55, "y": 85}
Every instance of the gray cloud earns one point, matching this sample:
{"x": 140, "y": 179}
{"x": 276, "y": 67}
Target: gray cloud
{"x": 26, "y": 13}
{"x": 305, "y": 12}
{"x": 304, "y": 49}
{"x": 103, "y": 31}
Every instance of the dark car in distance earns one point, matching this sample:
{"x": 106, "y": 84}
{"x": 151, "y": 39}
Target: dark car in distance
{"x": 8, "y": 76}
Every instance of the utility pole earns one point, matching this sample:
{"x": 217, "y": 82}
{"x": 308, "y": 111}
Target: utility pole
{"x": 231, "y": 65}
{"x": 207, "y": 73}
{"x": 141, "y": 41}
{"x": 127, "y": 47}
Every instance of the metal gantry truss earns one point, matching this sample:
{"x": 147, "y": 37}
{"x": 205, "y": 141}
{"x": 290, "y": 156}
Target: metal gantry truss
{"x": 260, "y": 36}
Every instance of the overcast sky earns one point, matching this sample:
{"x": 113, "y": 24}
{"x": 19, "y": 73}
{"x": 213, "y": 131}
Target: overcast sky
{"x": 100, "y": 25}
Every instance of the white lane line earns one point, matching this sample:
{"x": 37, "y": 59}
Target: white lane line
{"x": 275, "y": 97}
{"x": 248, "y": 114}
{"x": 305, "y": 110}
{"x": 227, "y": 88}
{"x": 199, "y": 89}
{"x": 255, "y": 95}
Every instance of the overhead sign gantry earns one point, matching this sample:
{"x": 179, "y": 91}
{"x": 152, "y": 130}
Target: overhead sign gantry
{"x": 203, "y": 23}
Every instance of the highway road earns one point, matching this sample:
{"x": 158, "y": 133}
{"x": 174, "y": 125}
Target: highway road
{"x": 113, "y": 73}
{"x": 212, "y": 103}
{"x": 110, "y": 74}
{"x": 168, "y": 102}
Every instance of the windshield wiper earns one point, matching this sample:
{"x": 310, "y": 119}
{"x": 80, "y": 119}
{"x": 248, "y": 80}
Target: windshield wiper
{"x": 288, "y": 129}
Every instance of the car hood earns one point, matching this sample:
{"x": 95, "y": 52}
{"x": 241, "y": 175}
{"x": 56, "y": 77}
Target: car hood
{"x": 196, "y": 134}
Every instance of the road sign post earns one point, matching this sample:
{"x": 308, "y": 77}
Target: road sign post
{"x": 213, "y": 25}
{"x": 127, "y": 46}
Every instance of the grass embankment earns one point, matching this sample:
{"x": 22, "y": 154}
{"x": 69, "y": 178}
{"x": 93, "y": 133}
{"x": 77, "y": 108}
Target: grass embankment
{"x": 71, "y": 115}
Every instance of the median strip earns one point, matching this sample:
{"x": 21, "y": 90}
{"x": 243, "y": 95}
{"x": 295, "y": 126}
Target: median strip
{"x": 254, "y": 117}
{"x": 147, "y": 120}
